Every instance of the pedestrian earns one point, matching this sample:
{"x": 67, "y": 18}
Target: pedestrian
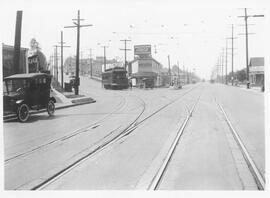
{"x": 130, "y": 84}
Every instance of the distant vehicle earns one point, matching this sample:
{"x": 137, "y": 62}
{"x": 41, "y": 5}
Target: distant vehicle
{"x": 115, "y": 78}
{"x": 212, "y": 81}
{"x": 176, "y": 85}
{"x": 148, "y": 83}
{"x": 25, "y": 92}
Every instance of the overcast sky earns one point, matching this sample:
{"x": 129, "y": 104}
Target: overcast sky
{"x": 191, "y": 32}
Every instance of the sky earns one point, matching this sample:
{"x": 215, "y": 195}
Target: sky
{"x": 192, "y": 33}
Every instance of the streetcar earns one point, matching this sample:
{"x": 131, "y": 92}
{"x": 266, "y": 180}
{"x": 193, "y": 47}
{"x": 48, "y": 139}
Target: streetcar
{"x": 115, "y": 78}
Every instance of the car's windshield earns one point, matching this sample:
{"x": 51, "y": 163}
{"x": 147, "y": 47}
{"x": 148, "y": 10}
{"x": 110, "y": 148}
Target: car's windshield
{"x": 13, "y": 85}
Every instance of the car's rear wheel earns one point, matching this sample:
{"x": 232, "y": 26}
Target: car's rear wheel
{"x": 23, "y": 113}
{"x": 50, "y": 108}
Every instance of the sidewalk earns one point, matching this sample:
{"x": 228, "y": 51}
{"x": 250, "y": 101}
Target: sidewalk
{"x": 68, "y": 99}
{"x": 244, "y": 86}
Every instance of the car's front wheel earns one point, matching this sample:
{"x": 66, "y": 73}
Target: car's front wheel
{"x": 23, "y": 112}
{"x": 50, "y": 108}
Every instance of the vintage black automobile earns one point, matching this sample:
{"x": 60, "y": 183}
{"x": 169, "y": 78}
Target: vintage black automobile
{"x": 25, "y": 92}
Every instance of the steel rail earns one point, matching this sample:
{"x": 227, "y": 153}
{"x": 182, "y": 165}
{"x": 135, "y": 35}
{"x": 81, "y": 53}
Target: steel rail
{"x": 72, "y": 134}
{"x": 260, "y": 181}
{"x": 160, "y": 173}
{"x": 65, "y": 170}
{"x": 130, "y": 128}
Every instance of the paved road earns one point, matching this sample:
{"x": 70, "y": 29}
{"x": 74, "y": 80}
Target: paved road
{"x": 44, "y": 146}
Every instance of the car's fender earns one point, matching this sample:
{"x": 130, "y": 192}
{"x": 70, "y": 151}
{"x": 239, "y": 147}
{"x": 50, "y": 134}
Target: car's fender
{"x": 53, "y": 99}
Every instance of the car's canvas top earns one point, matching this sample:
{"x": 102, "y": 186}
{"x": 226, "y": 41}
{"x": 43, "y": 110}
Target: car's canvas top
{"x": 30, "y": 75}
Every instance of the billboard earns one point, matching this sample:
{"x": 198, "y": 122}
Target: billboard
{"x": 142, "y": 49}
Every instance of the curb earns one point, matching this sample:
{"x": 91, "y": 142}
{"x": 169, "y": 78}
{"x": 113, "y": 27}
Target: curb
{"x": 13, "y": 116}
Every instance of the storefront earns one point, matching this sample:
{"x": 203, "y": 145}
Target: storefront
{"x": 144, "y": 67}
{"x": 256, "y": 71}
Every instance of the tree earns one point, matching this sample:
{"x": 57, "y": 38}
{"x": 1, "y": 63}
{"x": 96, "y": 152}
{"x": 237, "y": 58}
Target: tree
{"x": 34, "y": 45}
{"x": 35, "y": 50}
{"x": 239, "y": 75}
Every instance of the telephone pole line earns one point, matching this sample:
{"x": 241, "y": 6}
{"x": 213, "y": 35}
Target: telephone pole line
{"x": 125, "y": 49}
{"x": 178, "y": 71}
{"x": 226, "y": 62}
{"x": 78, "y": 26}
{"x": 169, "y": 64}
{"x": 90, "y": 62}
{"x": 222, "y": 66}
{"x": 17, "y": 42}
{"x": 246, "y": 33}
{"x": 62, "y": 46}
{"x": 56, "y": 62}
{"x": 104, "y": 52}
{"x": 232, "y": 38}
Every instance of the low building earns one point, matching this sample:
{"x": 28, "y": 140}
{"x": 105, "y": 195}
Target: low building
{"x": 8, "y": 60}
{"x": 144, "y": 66}
{"x": 256, "y": 71}
{"x": 85, "y": 68}
{"x": 30, "y": 61}
{"x": 36, "y": 61}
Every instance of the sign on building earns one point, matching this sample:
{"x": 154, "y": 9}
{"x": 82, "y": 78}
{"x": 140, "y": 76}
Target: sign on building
{"x": 142, "y": 49}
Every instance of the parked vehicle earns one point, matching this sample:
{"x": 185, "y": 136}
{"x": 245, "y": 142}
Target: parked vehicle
{"x": 115, "y": 78}
{"x": 25, "y": 92}
{"x": 148, "y": 83}
{"x": 176, "y": 84}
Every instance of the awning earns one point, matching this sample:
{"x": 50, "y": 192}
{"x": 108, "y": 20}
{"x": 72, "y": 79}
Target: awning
{"x": 144, "y": 75}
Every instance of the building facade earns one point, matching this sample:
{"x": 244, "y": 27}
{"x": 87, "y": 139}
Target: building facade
{"x": 85, "y": 66}
{"x": 256, "y": 71}
{"x": 8, "y": 60}
{"x": 144, "y": 66}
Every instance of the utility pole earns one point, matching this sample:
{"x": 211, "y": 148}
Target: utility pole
{"x": 78, "y": 26}
{"x": 169, "y": 68}
{"x": 62, "y": 46}
{"x": 185, "y": 78}
{"x": 218, "y": 70}
{"x": 222, "y": 65}
{"x": 246, "y": 28}
{"x": 17, "y": 42}
{"x": 56, "y": 62}
{"x": 226, "y": 54}
{"x": 104, "y": 52}
{"x": 90, "y": 62}
{"x": 51, "y": 64}
{"x": 178, "y": 70}
{"x": 232, "y": 38}
{"x": 125, "y": 49}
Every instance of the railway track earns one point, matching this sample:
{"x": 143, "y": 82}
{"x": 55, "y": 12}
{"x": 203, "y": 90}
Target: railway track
{"x": 257, "y": 175}
{"x": 156, "y": 179}
{"x": 154, "y": 183}
{"x": 118, "y": 108}
{"x": 128, "y": 130}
